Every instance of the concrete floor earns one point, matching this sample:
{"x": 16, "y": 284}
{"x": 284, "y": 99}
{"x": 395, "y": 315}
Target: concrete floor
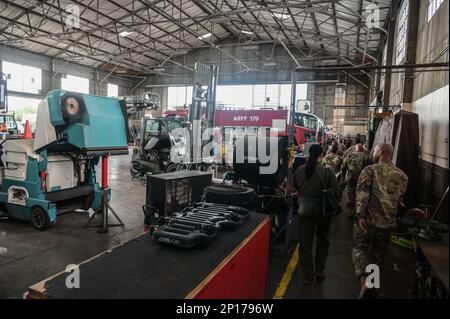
{"x": 33, "y": 256}
{"x": 397, "y": 278}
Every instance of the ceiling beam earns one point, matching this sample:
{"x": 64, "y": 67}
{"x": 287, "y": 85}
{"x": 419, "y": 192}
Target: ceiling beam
{"x": 256, "y": 19}
{"x": 50, "y": 46}
{"x": 85, "y": 47}
{"x": 316, "y": 26}
{"x": 205, "y": 9}
{"x": 336, "y": 28}
{"x": 359, "y": 26}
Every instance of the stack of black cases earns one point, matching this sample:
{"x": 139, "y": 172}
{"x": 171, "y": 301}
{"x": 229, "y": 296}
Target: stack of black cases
{"x": 198, "y": 224}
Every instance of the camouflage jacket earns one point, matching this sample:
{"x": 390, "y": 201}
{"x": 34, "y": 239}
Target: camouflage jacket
{"x": 332, "y": 161}
{"x": 342, "y": 149}
{"x": 349, "y": 150}
{"x": 380, "y": 190}
{"x": 353, "y": 164}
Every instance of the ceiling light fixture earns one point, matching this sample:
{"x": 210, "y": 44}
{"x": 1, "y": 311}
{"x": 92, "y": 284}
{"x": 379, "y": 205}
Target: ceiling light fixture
{"x": 17, "y": 42}
{"x": 203, "y": 37}
{"x": 76, "y": 58}
{"x": 124, "y": 34}
{"x": 281, "y": 16}
{"x": 246, "y": 32}
{"x": 270, "y": 64}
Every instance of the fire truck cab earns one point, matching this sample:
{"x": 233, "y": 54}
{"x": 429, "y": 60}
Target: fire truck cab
{"x": 308, "y": 128}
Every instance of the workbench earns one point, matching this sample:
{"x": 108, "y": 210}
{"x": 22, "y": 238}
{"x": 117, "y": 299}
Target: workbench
{"x": 435, "y": 255}
{"x": 234, "y": 265}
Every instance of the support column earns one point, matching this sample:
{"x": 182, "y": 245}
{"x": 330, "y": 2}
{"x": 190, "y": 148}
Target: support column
{"x": 55, "y": 77}
{"x": 389, "y": 54}
{"x": 413, "y": 25}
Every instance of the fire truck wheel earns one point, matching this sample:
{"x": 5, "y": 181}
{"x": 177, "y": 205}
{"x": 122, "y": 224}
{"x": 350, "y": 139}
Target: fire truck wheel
{"x": 39, "y": 218}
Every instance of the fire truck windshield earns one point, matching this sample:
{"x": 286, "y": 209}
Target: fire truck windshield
{"x": 306, "y": 120}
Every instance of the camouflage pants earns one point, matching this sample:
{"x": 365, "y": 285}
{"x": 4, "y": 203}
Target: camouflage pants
{"x": 369, "y": 248}
{"x": 350, "y": 191}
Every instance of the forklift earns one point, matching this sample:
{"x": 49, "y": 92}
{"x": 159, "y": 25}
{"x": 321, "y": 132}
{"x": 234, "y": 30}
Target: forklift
{"x": 155, "y": 143}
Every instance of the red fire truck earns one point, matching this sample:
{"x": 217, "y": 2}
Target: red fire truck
{"x": 308, "y": 127}
{"x": 182, "y": 113}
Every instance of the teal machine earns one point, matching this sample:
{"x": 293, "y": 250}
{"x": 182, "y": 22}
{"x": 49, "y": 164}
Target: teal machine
{"x": 55, "y": 172}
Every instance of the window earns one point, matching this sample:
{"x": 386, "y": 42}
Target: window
{"x": 9, "y": 120}
{"x": 272, "y": 95}
{"x": 310, "y": 122}
{"x": 384, "y": 60}
{"x": 301, "y": 91}
{"x": 285, "y": 95}
{"x": 258, "y": 95}
{"x": 23, "y": 78}
{"x": 306, "y": 120}
{"x": 23, "y": 107}
{"x": 242, "y": 96}
{"x": 174, "y": 122}
{"x": 75, "y": 84}
{"x": 432, "y": 7}
{"x": 153, "y": 127}
{"x": 234, "y": 95}
{"x": 113, "y": 90}
{"x": 402, "y": 32}
{"x": 179, "y": 96}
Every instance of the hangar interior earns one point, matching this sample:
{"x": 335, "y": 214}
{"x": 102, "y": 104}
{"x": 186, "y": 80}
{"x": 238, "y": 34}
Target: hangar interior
{"x": 350, "y": 67}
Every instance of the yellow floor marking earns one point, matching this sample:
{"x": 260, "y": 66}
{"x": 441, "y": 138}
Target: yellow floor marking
{"x": 287, "y": 276}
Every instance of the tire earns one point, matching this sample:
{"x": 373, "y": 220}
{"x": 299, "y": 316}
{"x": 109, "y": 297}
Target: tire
{"x": 39, "y": 218}
{"x": 230, "y": 195}
{"x": 135, "y": 173}
{"x": 3, "y": 211}
{"x": 172, "y": 167}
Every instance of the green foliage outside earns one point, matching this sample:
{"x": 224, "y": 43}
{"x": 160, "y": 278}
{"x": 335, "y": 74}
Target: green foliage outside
{"x": 24, "y": 110}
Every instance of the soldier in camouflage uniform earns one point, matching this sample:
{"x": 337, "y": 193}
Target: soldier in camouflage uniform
{"x": 381, "y": 188}
{"x": 341, "y": 149}
{"x": 351, "y": 149}
{"x": 332, "y": 160}
{"x": 352, "y": 166}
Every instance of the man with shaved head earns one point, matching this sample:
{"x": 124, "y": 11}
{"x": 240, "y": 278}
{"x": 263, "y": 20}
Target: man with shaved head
{"x": 380, "y": 189}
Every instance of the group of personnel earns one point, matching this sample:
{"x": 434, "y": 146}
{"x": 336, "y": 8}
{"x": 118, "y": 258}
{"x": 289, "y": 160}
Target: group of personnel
{"x": 374, "y": 188}
{"x": 347, "y": 164}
